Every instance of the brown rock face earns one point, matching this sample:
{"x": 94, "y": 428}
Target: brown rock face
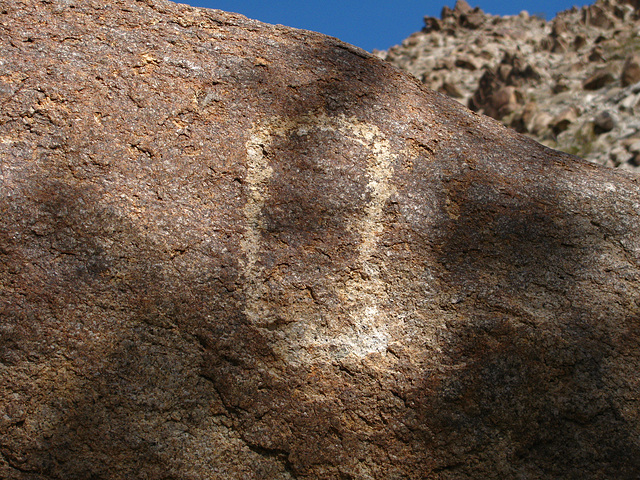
{"x": 630, "y": 70}
{"x": 230, "y": 250}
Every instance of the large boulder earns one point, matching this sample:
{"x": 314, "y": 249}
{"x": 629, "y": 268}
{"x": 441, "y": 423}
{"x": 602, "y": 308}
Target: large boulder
{"x": 497, "y": 95}
{"x": 230, "y": 250}
{"x": 630, "y": 70}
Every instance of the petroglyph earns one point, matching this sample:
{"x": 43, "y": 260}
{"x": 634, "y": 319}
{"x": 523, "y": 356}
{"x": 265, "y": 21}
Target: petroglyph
{"x": 258, "y": 174}
{"x": 363, "y": 293}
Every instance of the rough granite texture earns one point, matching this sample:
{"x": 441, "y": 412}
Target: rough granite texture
{"x": 230, "y": 250}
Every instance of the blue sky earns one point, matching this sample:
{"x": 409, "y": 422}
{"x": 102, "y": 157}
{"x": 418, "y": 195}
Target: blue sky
{"x": 371, "y": 24}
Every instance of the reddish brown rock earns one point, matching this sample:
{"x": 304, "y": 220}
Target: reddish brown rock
{"x": 451, "y": 89}
{"x": 598, "y": 15}
{"x": 462, "y": 8}
{"x": 630, "y": 70}
{"x": 462, "y": 15}
{"x": 432, "y": 24}
{"x": 496, "y": 95}
{"x": 598, "y": 80}
{"x": 230, "y": 250}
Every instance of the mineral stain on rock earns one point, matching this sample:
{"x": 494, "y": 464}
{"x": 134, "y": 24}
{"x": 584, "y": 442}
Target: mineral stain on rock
{"x": 233, "y": 250}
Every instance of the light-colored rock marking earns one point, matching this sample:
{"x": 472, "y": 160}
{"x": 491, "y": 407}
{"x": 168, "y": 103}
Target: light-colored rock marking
{"x": 258, "y": 174}
{"x": 364, "y": 293}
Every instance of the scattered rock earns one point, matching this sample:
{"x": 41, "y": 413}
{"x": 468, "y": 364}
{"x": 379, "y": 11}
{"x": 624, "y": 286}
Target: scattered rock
{"x": 604, "y": 122}
{"x": 432, "y": 24}
{"x": 540, "y": 123}
{"x": 451, "y": 89}
{"x": 598, "y": 16}
{"x": 634, "y": 147}
{"x": 630, "y": 70}
{"x": 461, "y": 8}
{"x": 559, "y": 45}
{"x": 562, "y": 121}
{"x": 466, "y": 63}
{"x": 596, "y": 55}
{"x": 598, "y": 80}
{"x": 560, "y": 86}
{"x": 629, "y": 102}
{"x": 496, "y": 95}
{"x": 446, "y": 12}
{"x": 558, "y": 27}
{"x": 506, "y": 100}
{"x": 462, "y": 16}
{"x": 619, "y": 156}
{"x": 473, "y": 20}
{"x": 581, "y": 41}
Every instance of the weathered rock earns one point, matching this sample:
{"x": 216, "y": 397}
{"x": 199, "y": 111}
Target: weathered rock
{"x": 461, "y": 8}
{"x": 619, "y": 156}
{"x": 451, "y": 89}
{"x": 598, "y": 80}
{"x": 473, "y": 20}
{"x": 466, "y": 62}
{"x": 604, "y": 122}
{"x": 230, "y": 250}
{"x": 540, "y": 123}
{"x": 558, "y": 27}
{"x": 446, "y": 12}
{"x": 634, "y": 147}
{"x": 597, "y": 16}
{"x": 462, "y": 15}
{"x": 506, "y": 100}
{"x": 578, "y": 50}
{"x": 560, "y": 86}
{"x": 629, "y": 102}
{"x": 559, "y": 45}
{"x": 562, "y": 121}
{"x": 597, "y": 56}
{"x": 630, "y": 70}
{"x": 496, "y": 95}
{"x": 579, "y": 42}
{"x": 528, "y": 118}
{"x": 432, "y": 24}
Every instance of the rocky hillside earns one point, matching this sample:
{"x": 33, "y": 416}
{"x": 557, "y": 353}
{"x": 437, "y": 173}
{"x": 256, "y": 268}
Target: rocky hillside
{"x": 572, "y": 83}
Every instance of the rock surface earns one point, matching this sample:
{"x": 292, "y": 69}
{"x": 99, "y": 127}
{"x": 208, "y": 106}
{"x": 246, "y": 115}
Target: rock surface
{"x": 584, "y": 60}
{"x": 230, "y": 250}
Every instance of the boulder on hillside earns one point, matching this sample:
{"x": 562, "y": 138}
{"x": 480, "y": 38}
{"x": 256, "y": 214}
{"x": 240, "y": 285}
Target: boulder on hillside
{"x": 462, "y": 15}
{"x": 599, "y": 15}
{"x": 432, "y": 24}
{"x": 497, "y": 95}
{"x": 604, "y": 122}
{"x": 561, "y": 121}
{"x": 461, "y": 8}
{"x": 473, "y": 20}
{"x": 232, "y": 250}
{"x": 630, "y": 70}
{"x": 599, "y": 79}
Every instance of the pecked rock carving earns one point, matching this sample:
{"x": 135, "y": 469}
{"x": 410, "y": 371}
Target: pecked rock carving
{"x": 363, "y": 291}
{"x": 231, "y": 250}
